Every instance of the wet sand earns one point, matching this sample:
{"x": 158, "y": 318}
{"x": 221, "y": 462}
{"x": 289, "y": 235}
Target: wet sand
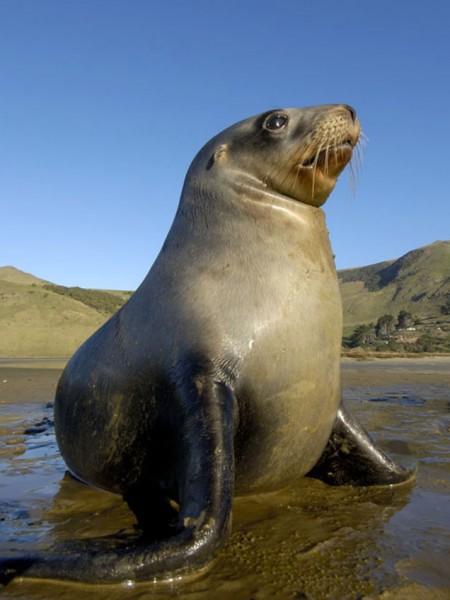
{"x": 24, "y": 384}
{"x": 307, "y": 542}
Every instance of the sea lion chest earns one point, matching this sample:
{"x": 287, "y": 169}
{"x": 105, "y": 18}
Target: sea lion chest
{"x": 266, "y": 310}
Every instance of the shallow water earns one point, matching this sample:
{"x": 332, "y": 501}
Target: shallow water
{"x": 310, "y": 541}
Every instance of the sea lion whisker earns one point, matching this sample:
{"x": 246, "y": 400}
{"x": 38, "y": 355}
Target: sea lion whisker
{"x": 356, "y": 162}
{"x": 353, "y": 177}
{"x": 309, "y": 153}
{"x": 316, "y": 162}
{"x": 295, "y": 158}
{"x": 327, "y": 156}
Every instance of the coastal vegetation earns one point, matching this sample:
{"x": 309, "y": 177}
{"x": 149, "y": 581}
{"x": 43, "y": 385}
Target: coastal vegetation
{"x": 402, "y": 334}
{"x": 104, "y": 302}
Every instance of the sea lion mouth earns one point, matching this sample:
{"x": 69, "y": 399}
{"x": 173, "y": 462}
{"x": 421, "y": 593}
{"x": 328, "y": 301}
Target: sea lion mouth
{"x": 337, "y": 154}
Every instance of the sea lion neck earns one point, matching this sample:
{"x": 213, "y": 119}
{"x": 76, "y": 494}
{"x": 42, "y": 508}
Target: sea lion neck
{"x": 240, "y": 200}
{"x": 257, "y": 194}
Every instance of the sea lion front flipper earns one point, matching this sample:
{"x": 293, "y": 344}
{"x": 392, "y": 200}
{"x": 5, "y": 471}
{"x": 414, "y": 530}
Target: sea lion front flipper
{"x": 352, "y": 458}
{"x": 205, "y": 481}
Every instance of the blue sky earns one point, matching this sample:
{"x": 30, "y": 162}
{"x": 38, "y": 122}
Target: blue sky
{"x": 104, "y": 104}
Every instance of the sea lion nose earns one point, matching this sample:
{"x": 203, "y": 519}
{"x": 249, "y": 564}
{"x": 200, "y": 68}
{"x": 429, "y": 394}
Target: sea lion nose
{"x": 351, "y": 110}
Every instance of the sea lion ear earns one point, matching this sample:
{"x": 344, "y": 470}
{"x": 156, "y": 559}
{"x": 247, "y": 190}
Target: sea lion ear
{"x": 219, "y": 154}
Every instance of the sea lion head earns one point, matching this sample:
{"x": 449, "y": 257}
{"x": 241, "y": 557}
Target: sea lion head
{"x": 296, "y": 152}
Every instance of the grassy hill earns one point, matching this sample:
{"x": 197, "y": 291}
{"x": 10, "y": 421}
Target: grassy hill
{"x": 39, "y": 318}
{"x": 418, "y": 283}
{"x": 13, "y": 275}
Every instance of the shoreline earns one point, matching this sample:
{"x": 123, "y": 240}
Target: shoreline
{"x": 40, "y": 362}
{"x": 376, "y": 371}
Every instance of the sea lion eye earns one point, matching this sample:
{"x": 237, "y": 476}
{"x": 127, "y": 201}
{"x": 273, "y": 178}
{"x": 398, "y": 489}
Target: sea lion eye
{"x": 276, "y": 122}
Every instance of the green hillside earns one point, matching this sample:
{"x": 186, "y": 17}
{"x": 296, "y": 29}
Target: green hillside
{"x": 14, "y": 275}
{"x": 40, "y": 319}
{"x": 417, "y": 283}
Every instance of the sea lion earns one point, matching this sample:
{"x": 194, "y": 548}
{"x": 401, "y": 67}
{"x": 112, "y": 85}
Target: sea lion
{"x": 221, "y": 374}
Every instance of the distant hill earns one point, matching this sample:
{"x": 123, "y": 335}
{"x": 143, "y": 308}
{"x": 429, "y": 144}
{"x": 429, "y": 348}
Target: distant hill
{"x": 418, "y": 282}
{"x": 417, "y": 285}
{"x": 39, "y": 318}
{"x": 13, "y": 275}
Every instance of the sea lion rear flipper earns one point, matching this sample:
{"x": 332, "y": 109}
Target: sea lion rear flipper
{"x": 205, "y": 482}
{"x": 352, "y": 458}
